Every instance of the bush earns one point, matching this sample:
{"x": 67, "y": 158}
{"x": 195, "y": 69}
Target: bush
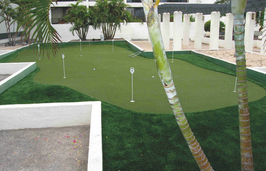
{"x": 207, "y": 26}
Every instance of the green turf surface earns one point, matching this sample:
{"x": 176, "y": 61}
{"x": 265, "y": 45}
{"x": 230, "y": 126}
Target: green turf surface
{"x": 146, "y": 142}
{"x": 198, "y": 89}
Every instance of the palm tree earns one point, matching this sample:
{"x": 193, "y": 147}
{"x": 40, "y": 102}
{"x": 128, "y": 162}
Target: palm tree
{"x": 164, "y": 71}
{"x": 238, "y": 9}
{"x": 108, "y": 15}
{"x": 8, "y": 15}
{"x": 23, "y": 12}
{"x": 222, "y": 2}
{"x": 37, "y": 21}
{"x": 80, "y": 18}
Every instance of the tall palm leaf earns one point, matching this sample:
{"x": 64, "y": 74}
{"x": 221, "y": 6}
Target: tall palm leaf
{"x": 38, "y": 22}
{"x": 238, "y": 9}
{"x": 165, "y": 75}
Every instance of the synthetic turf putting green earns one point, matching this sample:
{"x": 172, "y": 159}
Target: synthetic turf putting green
{"x": 198, "y": 89}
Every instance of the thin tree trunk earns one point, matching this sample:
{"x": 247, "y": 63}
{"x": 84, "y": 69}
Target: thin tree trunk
{"x": 8, "y": 31}
{"x": 114, "y": 30}
{"x": 243, "y": 109}
{"x": 165, "y": 75}
{"x": 238, "y": 9}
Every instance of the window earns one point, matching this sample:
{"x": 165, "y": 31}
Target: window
{"x": 58, "y": 15}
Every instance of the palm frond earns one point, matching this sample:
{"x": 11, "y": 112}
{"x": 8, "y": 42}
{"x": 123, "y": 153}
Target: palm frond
{"x": 38, "y": 22}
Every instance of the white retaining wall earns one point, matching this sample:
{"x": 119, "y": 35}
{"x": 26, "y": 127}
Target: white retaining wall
{"x": 18, "y": 71}
{"x": 58, "y": 115}
{"x": 44, "y": 115}
{"x": 134, "y": 30}
{"x": 12, "y": 68}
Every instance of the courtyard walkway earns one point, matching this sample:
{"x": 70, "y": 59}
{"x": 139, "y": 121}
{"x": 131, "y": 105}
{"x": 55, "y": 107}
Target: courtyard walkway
{"x": 146, "y": 45}
{"x": 254, "y": 58}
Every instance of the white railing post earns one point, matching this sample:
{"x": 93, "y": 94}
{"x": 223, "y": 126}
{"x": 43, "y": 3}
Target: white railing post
{"x": 214, "y": 35}
{"x": 249, "y": 31}
{"x": 198, "y": 31}
{"x": 177, "y": 33}
{"x": 166, "y": 30}
{"x": 263, "y": 47}
{"x": 229, "y": 22}
{"x": 186, "y": 29}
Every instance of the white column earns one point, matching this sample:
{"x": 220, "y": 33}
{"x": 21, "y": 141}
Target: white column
{"x": 264, "y": 21}
{"x": 177, "y": 33}
{"x": 50, "y": 15}
{"x": 186, "y": 29}
{"x": 215, "y": 25}
{"x": 194, "y": 1}
{"x": 263, "y": 49}
{"x": 249, "y": 31}
{"x": 198, "y": 34}
{"x": 160, "y": 21}
{"x": 87, "y": 3}
{"x": 166, "y": 30}
{"x": 229, "y": 25}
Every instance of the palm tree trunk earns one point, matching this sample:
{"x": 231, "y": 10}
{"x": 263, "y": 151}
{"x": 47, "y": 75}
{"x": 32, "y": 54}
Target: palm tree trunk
{"x": 243, "y": 109}
{"x": 165, "y": 75}
{"x": 114, "y": 30}
{"x": 238, "y": 9}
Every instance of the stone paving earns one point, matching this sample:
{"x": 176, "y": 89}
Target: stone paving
{"x": 253, "y": 59}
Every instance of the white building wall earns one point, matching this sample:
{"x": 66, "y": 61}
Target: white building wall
{"x": 2, "y": 28}
{"x": 202, "y": 1}
{"x": 134, "y": 30}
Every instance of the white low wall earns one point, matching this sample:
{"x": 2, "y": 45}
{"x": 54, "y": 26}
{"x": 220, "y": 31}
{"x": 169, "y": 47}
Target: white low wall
{"x": 59, "y": 115}
{"x": 221, "y": 43}
{"x": 12, "y": 68}
{"x": 44, "y": 115}
{"x": 2, "y": 41}
{"x": 256, "y": 43}
{"x": 18, "y": 71}
{"x": 133, "y": 30}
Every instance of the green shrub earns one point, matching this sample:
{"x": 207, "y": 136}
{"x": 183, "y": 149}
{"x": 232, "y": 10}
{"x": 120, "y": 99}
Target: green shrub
{"x": 207, "y": 26}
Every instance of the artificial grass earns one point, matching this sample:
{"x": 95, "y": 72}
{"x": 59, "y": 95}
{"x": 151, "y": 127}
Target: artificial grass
{"x": 198, "y": 89}
{"x": 141, "y": 141}
{"x": 27, "y": 91}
